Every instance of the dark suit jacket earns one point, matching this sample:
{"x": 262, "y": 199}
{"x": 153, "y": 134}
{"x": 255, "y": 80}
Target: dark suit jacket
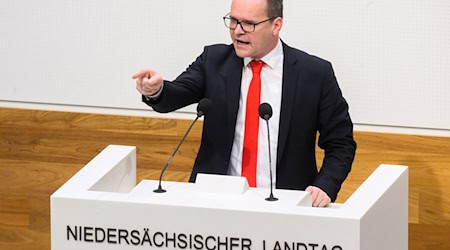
{"x": 311, "y": 102}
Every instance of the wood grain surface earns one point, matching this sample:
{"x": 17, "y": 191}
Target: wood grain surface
{"x": 40, "y": 150}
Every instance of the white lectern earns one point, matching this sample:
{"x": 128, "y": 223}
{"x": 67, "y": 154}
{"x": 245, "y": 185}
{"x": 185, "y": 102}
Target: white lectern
{"x": 101, "y": 207}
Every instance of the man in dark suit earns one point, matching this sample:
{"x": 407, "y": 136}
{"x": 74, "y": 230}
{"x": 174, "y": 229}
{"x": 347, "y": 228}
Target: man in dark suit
{"x": 301, "y": 88}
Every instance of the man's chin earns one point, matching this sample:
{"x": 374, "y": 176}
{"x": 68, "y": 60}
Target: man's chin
{"x": 242, "y": 53}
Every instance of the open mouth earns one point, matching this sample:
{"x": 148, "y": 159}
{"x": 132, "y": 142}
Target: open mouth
{"x": 240, "y": 42}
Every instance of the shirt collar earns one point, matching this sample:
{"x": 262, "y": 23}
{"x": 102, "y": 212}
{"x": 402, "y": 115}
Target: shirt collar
{"x": 272, "y": 58}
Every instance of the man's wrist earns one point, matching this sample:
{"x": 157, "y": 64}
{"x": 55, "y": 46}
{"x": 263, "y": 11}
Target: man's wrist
{"x": 154, "y": 96}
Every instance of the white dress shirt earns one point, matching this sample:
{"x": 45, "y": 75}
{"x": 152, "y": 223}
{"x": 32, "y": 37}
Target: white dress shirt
{"x": 271, "y": 89}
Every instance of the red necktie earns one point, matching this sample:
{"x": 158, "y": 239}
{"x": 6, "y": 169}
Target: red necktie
{"x": 250, "y": 149}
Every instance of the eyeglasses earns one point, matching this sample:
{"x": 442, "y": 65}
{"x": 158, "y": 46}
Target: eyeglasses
{"x": 232, "y": 23}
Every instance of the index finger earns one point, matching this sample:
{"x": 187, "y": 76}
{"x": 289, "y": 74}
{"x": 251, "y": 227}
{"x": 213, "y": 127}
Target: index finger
{"x": 142, "y": 73}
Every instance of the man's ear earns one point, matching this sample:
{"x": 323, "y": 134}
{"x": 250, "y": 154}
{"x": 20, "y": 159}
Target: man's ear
{"x": 277, "y": 25}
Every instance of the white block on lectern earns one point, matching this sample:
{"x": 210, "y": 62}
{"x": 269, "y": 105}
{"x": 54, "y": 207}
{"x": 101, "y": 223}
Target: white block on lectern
{"x": 213, "y": 183}
{"x": 101, "y": 207}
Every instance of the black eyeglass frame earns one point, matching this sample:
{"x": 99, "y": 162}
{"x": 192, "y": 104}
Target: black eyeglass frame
{"x": 229, "y": 18}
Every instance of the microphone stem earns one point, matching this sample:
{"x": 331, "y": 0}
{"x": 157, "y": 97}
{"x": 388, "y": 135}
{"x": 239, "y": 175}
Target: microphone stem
{"x": 173, "y": 154}
{"x": 270, "y": 154}
{"x": 271, "y": 197}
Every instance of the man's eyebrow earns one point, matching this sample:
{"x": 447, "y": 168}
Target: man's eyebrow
{"x": 244, "y": 21}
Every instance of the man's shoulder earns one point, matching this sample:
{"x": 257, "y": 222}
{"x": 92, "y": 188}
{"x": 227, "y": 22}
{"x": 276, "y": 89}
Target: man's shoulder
{"x": 220, "y": 46}
{"x": 218, "y": 54}
{"x": 304, "y": 58}
{"x": 218, "y": 49}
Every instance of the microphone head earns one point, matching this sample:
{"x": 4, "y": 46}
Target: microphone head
{"x": 203, "y": 106}
{"x": 265, "y": 111}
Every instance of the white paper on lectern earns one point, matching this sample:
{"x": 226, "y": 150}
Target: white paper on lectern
{"x": 212, "y": 183}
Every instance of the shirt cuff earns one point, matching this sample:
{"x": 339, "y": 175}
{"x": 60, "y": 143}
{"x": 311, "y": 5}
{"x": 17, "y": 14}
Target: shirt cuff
{"x": 155, "y": 96}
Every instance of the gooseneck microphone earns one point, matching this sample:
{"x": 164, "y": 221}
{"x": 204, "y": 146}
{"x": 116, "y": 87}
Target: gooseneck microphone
{"x": 202, "y": 109}
{"x": 265, "y": 112}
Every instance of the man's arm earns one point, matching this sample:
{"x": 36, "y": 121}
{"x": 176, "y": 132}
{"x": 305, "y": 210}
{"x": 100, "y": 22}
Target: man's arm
{"x": 336, "y": 137}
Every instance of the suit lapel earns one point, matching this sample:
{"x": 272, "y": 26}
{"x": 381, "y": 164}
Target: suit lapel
{"x": 232, "y": 75}
{"x": 290, "y": 78}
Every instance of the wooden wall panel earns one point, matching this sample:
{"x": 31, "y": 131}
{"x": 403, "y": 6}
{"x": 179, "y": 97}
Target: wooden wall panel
{"x": 40, "y": 150}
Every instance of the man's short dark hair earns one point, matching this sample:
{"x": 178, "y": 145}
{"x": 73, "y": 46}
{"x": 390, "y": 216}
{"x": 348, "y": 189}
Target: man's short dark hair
{"x": 275, "y": 8}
